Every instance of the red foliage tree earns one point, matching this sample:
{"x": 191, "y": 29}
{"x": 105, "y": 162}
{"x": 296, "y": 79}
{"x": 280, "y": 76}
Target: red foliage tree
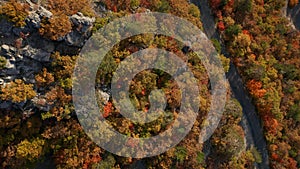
{"x": 107, "y": 109}
{"x": 221, "y": 26}
{"x": 215, "y": 4}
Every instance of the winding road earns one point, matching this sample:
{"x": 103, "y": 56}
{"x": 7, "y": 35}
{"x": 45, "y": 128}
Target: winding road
{"x": 293, "y": 15}
{"x": 251, "y": 122}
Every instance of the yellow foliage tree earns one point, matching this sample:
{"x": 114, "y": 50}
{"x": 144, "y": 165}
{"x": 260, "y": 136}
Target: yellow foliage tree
{"x": 15, "y": 12}
{"x": 17, "y": 91}
{"x": 30, "y": 150}
{"x": 56, "y": 27}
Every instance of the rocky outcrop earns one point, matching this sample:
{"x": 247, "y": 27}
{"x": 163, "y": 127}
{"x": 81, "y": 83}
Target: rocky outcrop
{"x": 83, "y": 26}
{"x": 27, "y": 52}
{"x": 34, "y": 19}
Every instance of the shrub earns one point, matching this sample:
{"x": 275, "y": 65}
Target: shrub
{"x": 225, "y": 62}
{"x": 60, "y": 102}
{"x": 135, "y": 4}
{"x": 3, "y": 62}
{"x": 228, "y": 141}
{"x": 44, "y": 78}
{"x": 217, "y": 45}
{"x": 163, "y": 6}
{"x": 256, "y": 155}
{"x": 17, "y": 91}
{"x": 30, "y": 150}
{"x": 56, "y": 27}
{"x": 243, "y": 6}
{"x": 99, "y": 23}
{"x": 294, "y": 112}
{"x": 15, "y": 12}
{"x": 233, "y": 30}
{"x": 181, "y": 154}
{"x": 71, "y": 7}
{"x": 194, "y": 11}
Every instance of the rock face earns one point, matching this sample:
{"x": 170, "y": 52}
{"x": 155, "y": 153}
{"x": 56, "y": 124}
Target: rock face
{"x": 86, "y": 23}
{"x": 26, "y": 52}
{"x": 22, "y": 64}
{"x": 39, "y": 55}
{"x": 83, "y": 30}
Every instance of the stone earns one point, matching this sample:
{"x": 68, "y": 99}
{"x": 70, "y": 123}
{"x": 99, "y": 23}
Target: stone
{"x": 29, "y": 80}
{"x": 84, "y": 22}
{"x": 5, "y": 28}
{"x": 34, "y": 20}
{"x": 12, "y": 59}
{"x": 9, "y": 65}
{"x": 19, "y": 58}
{"x": 41, "y": 104}
{"x": 44, "y": 13}
{"x": 29, "y": 76}
{"x": 36, "y": 54}
{"x": 8, "y": 78}
{"x": 5, "y": 105}
{"x": 105, "y": 96}
{"x": 35, "y": 41}
{"x": 12, "y": 71}
{"x": 7, "y": 55}
{"x": 79, "y": 18}
{"x": 17, "y": 31}
{"x": 20, "y": 105}
{"x": 13, "y": 49}
{"x": 82, "y": 30}
{"x": 29, "y": 69}
{"x": 75, "y": 39}
{"x": 28, "y": 51}
{"x": 5, "y": 48}
{"x": 42, "y": 56}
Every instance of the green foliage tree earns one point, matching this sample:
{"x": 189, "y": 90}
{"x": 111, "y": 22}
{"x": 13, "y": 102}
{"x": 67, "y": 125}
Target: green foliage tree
{"x": 225, "y": 62}
{"x": 233, "y": 30}
{"x": 194, "y": 11}
{"x": 228, "y": 142}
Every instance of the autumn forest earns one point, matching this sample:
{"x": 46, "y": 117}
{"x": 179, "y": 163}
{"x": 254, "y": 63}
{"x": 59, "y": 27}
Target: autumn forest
{"x": 41, "y": 41}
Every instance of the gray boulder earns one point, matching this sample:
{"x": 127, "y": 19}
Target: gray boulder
{"x": 82, "y": 31}
{"x": 5, "y": 48}
{"x": 41, "y": 103}
{"x": 82, "y": 22}
{"x": 34, "y": 20}
{"x": 74, "y": 38}
{"x": 36, "y": 54}
{"x": 5, "y": 28}
{"x": 44, "y": 13}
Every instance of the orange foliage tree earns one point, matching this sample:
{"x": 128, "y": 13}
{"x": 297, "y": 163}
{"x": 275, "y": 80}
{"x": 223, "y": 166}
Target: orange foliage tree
{"x": 255, "y": 88}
